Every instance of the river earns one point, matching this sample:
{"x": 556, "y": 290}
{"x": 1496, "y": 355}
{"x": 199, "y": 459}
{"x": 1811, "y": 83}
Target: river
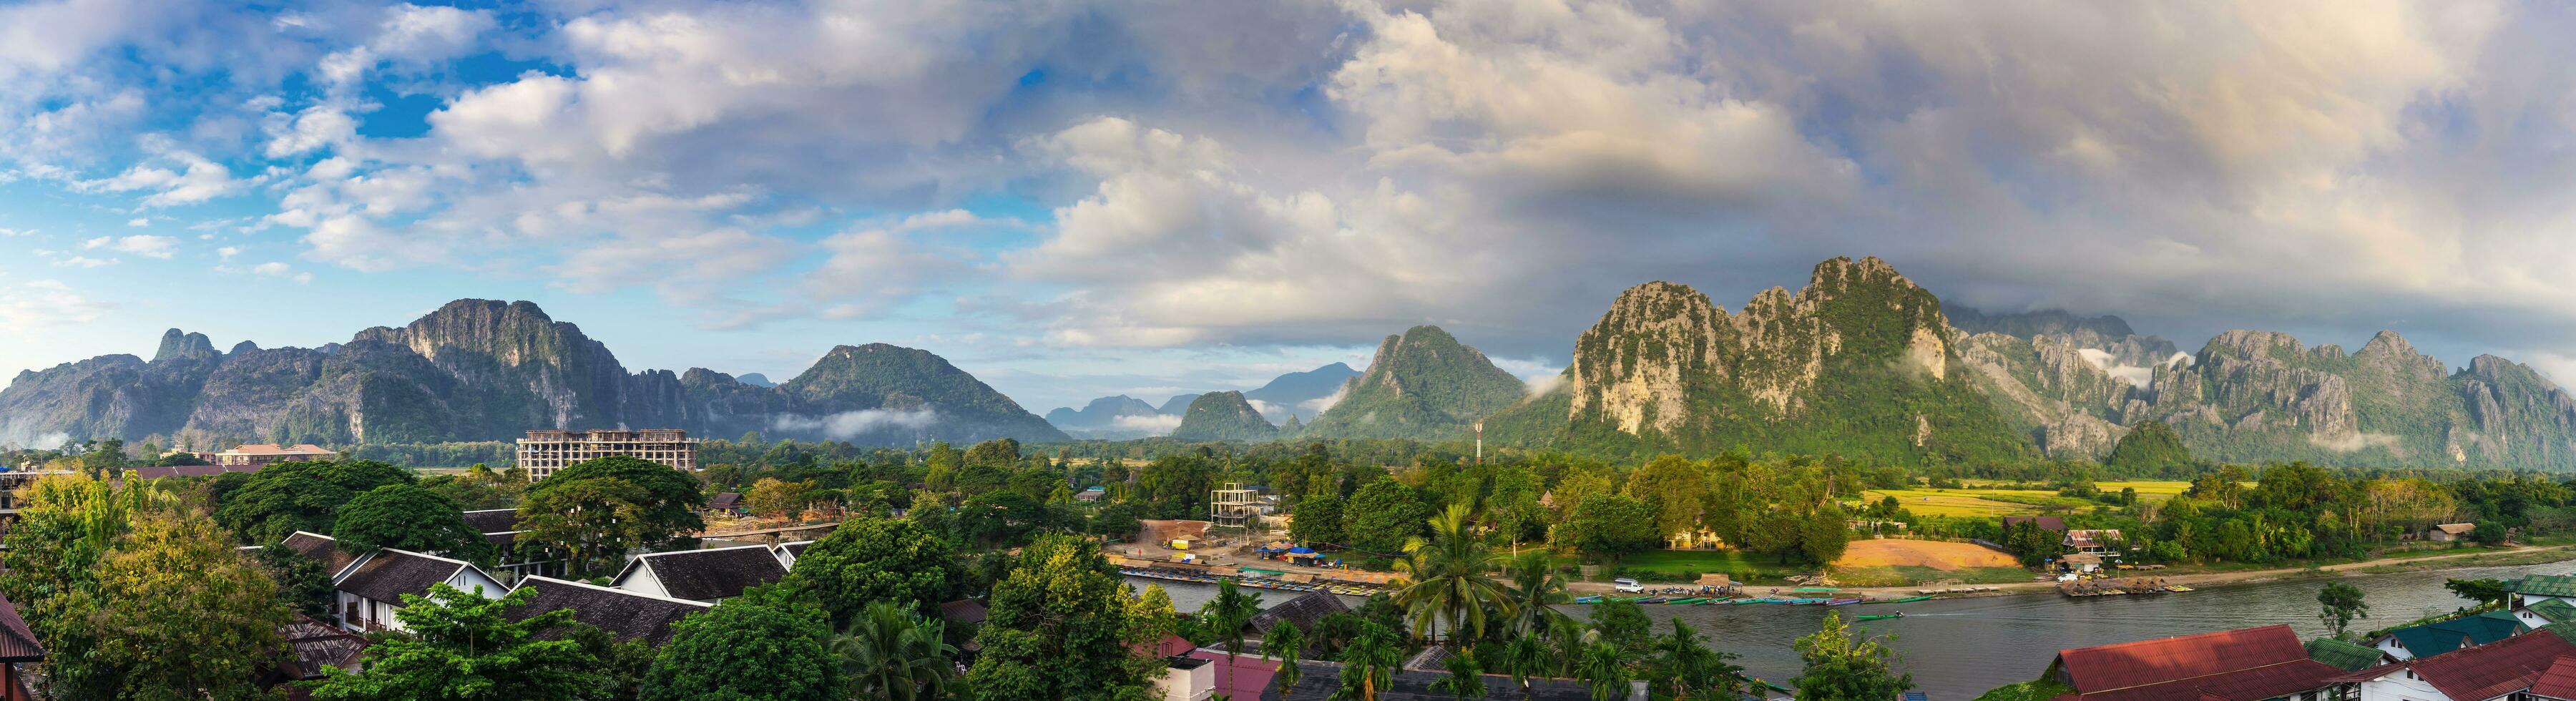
{"x": 1959, "y": 648}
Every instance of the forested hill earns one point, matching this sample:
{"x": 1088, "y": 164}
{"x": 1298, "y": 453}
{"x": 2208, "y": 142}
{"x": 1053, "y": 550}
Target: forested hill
{"x": 477, "y": 370}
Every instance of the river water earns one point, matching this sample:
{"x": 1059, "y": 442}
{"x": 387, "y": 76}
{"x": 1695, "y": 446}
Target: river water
{"x": 1959, "y": 648}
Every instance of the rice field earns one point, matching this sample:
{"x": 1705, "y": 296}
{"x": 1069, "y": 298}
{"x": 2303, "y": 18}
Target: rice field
{"x": 1961, "y": 502}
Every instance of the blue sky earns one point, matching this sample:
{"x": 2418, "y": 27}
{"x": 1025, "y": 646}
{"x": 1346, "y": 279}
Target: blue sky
{"x": 1072, "y": 199}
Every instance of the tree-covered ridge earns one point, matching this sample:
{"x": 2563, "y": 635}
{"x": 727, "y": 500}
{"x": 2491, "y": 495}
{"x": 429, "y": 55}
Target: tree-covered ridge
{"x": 1223, "y": 416}
{"x": 479, "y": 370}
{"x": 1423, "y": 383}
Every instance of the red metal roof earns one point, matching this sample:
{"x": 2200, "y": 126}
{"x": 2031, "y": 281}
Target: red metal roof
{"x": 2494, "y": 669}
{"x": 2240, "y": 665}
{"x": 2557, "y": 682}
{"x": 17, "y": 643}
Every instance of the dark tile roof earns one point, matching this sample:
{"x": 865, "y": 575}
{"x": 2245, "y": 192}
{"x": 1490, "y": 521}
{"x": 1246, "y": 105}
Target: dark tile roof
{"x": 1317, "y": 681}
{"x": 501, "y": 540}
{"x": 706, "y": 575}
{"x": 2249, "y": 664}
{"x": 2495, "y": 669}
{"x": 493, "y": 520}
{"x": 392, "y": 573}
{"x": 17, "y": 643}
{"x": 2046, "y": 523}
{"x": 796, "y": 549}
{"x": 625, "y": 614}
{"x": 963, "y": 611}
{"x": 315, "y": 645}
{"x": 1304, "y": 610}
{"x": 725, "y": 500}
{"x": 320, "y": 547}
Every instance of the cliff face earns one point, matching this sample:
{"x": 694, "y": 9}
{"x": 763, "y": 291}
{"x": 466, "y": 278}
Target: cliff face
{"x": 1859, "y": 362}
{"x": 1422, "y": 384}
{"x": 485, "y": 370}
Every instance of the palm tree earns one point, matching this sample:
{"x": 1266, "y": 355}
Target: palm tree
{"x": 891, "y": 652}
{"x": 1689, "y": 666}
{"x": 1448, "y": 578}
{"x": 1466, "y": 679}
{"x": 1224, "y": 618}
{"x": 1524, "y": 657}
{"x": 1536, "y": 588}
{"x": 1284, "y": 644}
{"x": 1369, "y": 663}
{"x": 1602, "y": 667}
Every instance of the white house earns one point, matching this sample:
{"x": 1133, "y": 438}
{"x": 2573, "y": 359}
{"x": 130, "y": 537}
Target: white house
{"x": 788, "y": 552}
{"x": 704, "y": 576}
{"x": 371, "y": 588}
{"x": 2509, "y": 668}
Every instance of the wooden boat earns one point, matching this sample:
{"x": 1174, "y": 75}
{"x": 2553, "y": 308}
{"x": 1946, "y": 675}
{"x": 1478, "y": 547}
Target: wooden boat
{"x": 1880, "y": 617}
{"x": 1686, "y": 602}
{"x": 1842, "y": 602}
{"x": 2177, "y": 587}
{"x": 1587, "y": 599}
{"x": 1653, "y": 600}
{"x": 1713, "y": 602}
{"x": 1900, "y": 601}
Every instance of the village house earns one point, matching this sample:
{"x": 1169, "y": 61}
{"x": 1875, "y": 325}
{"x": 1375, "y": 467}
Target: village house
{"x": 370, "y": 590}
{"x": 2544, "y": 612}
{"x": 2511, "y": 668}
{"x": 18, "y": 646}
{"x": 2532, "y": 589}
{"x": 258, "y": 455}
{"x": 2249, "y": 664}
{"x": 2450, "y": 532}
{"x": 705, "y": 576}
{"x": 2051, "y": 524}
{"x": 322, "y": 548}
{"x": 726, "y": 504}
{"x": 313, "y": 646}
{"x": 627, "y": 615}
{"x": 789, "y": 551}
{"x": 500, "y": 527}
{"x": 2095, "y": 541}
{"x": 2346, "y": 655}
{"x": 2439, "y": 637}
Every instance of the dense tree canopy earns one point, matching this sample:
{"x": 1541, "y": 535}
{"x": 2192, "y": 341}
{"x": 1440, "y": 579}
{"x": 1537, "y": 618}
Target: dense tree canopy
{"x": 1058, "y": 629}
{"x": 867, "y": 560}
{"x": 767, "y": 645}
{"x": 462, "y": 646}
{"x": 408, "y": 517}
{"x": 300, "y": 496}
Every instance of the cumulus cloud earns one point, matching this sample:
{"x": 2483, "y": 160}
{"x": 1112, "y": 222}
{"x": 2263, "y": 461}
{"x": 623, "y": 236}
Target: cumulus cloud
{"x": 850, "y": 425}
{"x": 196, "y": 180}
{"x": 145, "y": 245}
{"x": 1149, "y": 424}
{"x": 42, "y": 304}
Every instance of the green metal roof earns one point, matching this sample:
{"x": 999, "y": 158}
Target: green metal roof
{"x": 2342, "y": 654}
{"x": 2436, "y": 638}
{"x": 2544, "y": 585}
{"x": 2554, "y": 610}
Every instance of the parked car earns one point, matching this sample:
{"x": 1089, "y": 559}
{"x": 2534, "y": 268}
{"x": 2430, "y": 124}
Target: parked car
{"x": 1627, "y": 586}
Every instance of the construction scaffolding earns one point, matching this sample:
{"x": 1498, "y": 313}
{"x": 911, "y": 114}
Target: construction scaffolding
{"x": 1232, "y": 506}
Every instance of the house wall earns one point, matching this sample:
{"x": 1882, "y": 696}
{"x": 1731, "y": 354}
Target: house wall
{"x": 469, "y": 578}
{"x": 641, "y": 581}
{"x": 2401, "y": 686}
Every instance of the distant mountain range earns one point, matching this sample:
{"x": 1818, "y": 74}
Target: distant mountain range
{"x": 1860, "y": 362}
{"x": 489, "y": 370}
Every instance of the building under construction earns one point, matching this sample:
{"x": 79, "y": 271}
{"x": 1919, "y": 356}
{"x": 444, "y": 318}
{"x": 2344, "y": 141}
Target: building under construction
{"x": 544, "y": 452}
{"x": 1232, "y": 506}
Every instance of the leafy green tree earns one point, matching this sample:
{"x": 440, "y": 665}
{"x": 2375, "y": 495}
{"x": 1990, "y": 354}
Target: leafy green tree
{"x": 1609, "y": 526}
{"x": 1623, "y": 624}
{"x": 1466, "y": 680}
{"x": 1525, "y": 656}
{"x": 480, "y": 487}
{"x": 867, "y": 560}
{"x": 1773, "y": 532}
{"x": 408, "y": 517}
{"x": 670, "y": 498}
{"x": 1825, "y": 535}
{"x": 460, "y": 645}
{"x": 893, "y": 652}
{"x": 2488, "y": 592}
{"x": 1673, "y": 488}
{"x": 303, "y": 583}
{"x": 1604, "y": 668}
{"x": 286, "y": 497}
{"x": 66, "y": 525}
{"x": 1840, "y": 667}
{"x": 1285, "y": 643}
{"x": 2338, "y": 604}
{"x": 779, "y": 498}
{"x": 767, "y": 644}
{"x": 175, "y": 583}
{"x": 1317, "y": 520}
{"x": 1685, "y": 667}
{"x": 1369, "y": 663}
{"x": 592, "y": 523}
{"x": 1450, "y": 578}
{"x": 1383, "y": 515}
{"x": 1057, "y": 629}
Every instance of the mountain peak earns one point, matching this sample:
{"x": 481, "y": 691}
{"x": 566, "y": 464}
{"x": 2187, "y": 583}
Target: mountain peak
{"x": 1223, "y": 416}
{"x": 1422, "y": 383}
{"x": 176, "y": 345}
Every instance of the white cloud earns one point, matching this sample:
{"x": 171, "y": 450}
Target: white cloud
{"x": 44, "y": 304}
{"x": 227, "y": 252}
{"x": 198, "y": 180}
{"x": 145, "y": 245}
{"x": 1150, "y": 424}
{"x": 83, "y": 262}
{"x": 854, "y": 424}
{"x": 14, "y": 233}
{"x": 138, "y": 222}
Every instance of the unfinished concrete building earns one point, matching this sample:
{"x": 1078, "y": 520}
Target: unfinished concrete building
{"x": 544, "y": 452}
{"x": 1232, "y": 506}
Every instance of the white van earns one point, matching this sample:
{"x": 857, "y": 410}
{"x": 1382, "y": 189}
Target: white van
{"x": 1626, "y": 585}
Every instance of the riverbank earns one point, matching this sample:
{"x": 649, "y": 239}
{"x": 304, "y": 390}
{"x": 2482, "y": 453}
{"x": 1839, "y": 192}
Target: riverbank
{"x": 2405, "y": 562}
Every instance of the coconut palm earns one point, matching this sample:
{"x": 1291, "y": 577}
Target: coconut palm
{"x": 891, "y": 652}
{"x": 1602, "y": 668}
{"x": 1466, "y": 679}
{"x": 1284, "y": 644}
{"x": 1369, "y": 663}
{"x": 1224, "y": 617}
{"x": 1448, "y": 578}
{"x": 1686, "y": 666}
{"x": 1524, "y": 657}
{"x": 1537, "y": 586}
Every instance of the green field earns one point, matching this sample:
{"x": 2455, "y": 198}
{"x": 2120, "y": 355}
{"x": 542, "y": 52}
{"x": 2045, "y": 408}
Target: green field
{"x": 1995, "y": 501}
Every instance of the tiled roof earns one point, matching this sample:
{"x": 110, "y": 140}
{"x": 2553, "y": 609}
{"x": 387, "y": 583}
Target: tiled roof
{"x": 154, "y": 473}
{"x": 2557, "y": 682}
{"x": 706, "y": 575}
{"x": 274, "y": 449}
{"x": 316, "y": 645}
{"x": 795, "y": 549}
{"x": 2553, "y": 610}
{"x": 2344, "y": 655}
{"x": 2238, "y": 665}
{"x": 1304, "y": 610}
{"x": 2492, "y": 670}
{"x": 963, "y": 611}
{"x": 493, "y": 520}
{"x": 2544, "y": 585}
{"x": 725, "y": 500}
{"x": 320, "y": 547}
{"x": 2444, "y": 636}
{"x": 17, "y": 643}
{"x": 389, "y": 574}
{"x": 625, "y": 614}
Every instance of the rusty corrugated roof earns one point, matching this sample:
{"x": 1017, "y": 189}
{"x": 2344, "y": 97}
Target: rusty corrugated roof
{"x": 2494, "y": 669}
{"x": 2242, "y": 665}
{"x": 17, "y": 642}
{"x": 2557, "y": 682}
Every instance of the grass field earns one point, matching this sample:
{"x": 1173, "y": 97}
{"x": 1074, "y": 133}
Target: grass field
{"x": 1994, "y": 501}
{"x": 2148, "y": 491}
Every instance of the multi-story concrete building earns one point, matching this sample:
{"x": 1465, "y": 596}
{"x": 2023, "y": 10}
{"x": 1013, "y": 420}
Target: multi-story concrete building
{"x": 544, "y": 452}
{"x": 258, "y": 455}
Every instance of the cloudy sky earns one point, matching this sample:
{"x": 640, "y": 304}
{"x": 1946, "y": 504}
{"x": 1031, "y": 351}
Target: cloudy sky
{"x": 1073, "y": 198}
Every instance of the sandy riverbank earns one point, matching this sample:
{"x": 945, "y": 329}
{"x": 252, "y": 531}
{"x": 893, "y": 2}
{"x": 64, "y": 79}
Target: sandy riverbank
{"x": 2524, "y": 555}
